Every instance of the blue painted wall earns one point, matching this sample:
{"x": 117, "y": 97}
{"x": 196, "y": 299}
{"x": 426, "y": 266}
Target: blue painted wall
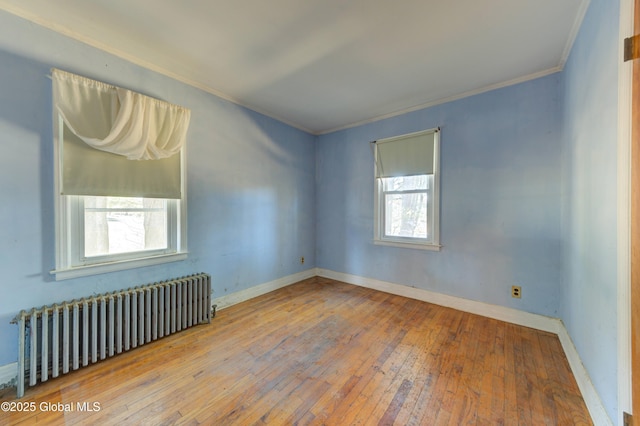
{"x": 500, "y": 200}
{"x": 251, "y": 181}
{"x": 589, "y": 89}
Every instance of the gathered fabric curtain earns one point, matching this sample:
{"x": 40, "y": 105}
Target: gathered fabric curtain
{"x": 408, "y": 155}
{"x": 117, "y": 142}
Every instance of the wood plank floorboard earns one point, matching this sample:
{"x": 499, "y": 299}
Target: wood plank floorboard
{"x": 322, "y": 352}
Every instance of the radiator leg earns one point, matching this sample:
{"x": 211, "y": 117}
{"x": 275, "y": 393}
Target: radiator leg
{"x": 44, "y": 376}
{"x": 111, "y": 326}
{"x": 134, "y": 318}
{"x": 55, "y": 342}
{"x": 127, "y": 322}
{"x": 173, "y": 308}
{"x": 94, "y": 331}
{"x": 154, "y": 326}
{"x": 76, "y": 339}
{"x": 179, "y": 323}
{"x": 119, "y": 325}
{"x": 141, "y": 328}
{"x": 85, "y": 333}
{"x": 190, "y": 304}
{"x": 147, "y": 315}
{"x": 103, "y": 328}
{"x": 161, "y": 312}
{"x": 33, "y": 350}
{"x": 212, "y": 313}
{"x": 65, "y": 339}
{"x": 21, "y": 353}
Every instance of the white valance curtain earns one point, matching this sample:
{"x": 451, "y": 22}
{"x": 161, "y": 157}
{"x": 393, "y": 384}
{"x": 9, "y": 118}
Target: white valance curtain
{"x": 407, "y": 155}
{"x": 104, "y": 127}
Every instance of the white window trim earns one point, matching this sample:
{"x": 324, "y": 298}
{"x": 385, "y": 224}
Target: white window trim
{"x": 410, "y": 245}
{"x": 103, "y": 268}
{"x": 378, "y": 214}
{"x": 63, "y": 232}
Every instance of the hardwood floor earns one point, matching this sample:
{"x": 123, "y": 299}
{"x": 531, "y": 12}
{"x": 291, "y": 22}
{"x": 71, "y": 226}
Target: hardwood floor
{"x": 323, "y": 352}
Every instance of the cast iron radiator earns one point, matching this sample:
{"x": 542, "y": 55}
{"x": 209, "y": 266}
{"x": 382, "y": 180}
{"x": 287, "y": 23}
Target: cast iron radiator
{"x": 63, "y": 337}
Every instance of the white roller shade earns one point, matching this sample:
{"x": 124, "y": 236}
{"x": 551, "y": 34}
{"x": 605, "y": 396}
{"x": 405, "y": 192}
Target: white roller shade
{"x": 407, "y": 155}
{"x": 88, "y": 171}
{"x": 117, "y": 142}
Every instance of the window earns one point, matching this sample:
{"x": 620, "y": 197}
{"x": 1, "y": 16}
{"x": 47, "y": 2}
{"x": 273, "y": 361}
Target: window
{"x": 105, "y": 234}
{"x": 406, "y": 197}
{"x": 120, "y": 200}
{"x": 122, "y": 227}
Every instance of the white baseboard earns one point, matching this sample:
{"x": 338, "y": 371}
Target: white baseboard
{"x": 589, "y": 394}
{"x": 501, "y": 313}
{"x": 8, "y": 375}
{"x": 240, "y": 296}
{"x": 514, "y": 316}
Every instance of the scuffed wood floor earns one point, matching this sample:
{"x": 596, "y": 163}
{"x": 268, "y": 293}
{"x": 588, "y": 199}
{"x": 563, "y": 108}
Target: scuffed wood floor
{"x": 323, "y": 352}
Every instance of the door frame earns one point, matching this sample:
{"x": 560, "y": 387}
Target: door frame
{"x": 628, "y": 197}
{"x": 635, "y": 222}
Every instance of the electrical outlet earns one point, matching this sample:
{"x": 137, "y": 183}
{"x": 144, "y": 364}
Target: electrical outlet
{"x": 302, "y": 260}
{"x": 516, "y": 291}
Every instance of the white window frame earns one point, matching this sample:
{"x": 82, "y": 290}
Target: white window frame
{"x": 69, "y": 217}
{"x": 433, "y": 205}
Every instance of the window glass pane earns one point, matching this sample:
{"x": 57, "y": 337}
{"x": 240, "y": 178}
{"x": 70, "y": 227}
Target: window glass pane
{"x": 405, "y": 183}
{"x": 121, "y": 225}
{"x": 405, "y": 215}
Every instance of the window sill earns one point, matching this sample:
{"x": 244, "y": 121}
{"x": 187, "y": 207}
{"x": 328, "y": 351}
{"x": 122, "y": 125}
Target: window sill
{"x": 417, "y": 246}
{"x": 103, "y": 268}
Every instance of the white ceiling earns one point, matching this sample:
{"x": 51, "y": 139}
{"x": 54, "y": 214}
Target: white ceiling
{"x": 323, "y": 65}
